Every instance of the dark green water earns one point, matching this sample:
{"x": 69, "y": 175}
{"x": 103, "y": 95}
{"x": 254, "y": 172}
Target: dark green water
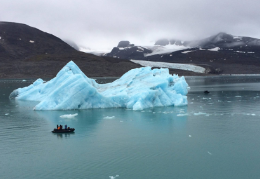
{"x": 216, "y": 136}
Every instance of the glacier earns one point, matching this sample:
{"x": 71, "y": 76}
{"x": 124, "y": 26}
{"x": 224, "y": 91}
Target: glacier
{"x": 137, "y": 89}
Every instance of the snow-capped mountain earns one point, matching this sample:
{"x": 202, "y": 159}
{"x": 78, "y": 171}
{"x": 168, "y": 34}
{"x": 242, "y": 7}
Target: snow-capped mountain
{"x": 222, "y": 53}
{"x": 165, "y": 46}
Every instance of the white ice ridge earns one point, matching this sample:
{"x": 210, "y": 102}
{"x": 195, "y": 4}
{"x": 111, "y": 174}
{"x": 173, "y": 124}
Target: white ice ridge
{"x": 69, "y": 115}
{"x": 137, "y": 89}
{"x": 180, "y": 66}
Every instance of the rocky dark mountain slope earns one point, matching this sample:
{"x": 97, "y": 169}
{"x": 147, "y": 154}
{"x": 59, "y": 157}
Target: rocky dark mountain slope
{"x": 27, "y": 52}
{"x": 221, "y": 53}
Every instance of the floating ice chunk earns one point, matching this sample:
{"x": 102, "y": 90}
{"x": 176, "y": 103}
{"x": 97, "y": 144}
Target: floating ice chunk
{"x": 182, "y": 114}
{"x": 137, "y": 89}
{"x": 209, "y": 153}
{"x": 113, "y": 177}
{"x": 6, "y": 114}
{"x": 189, "y": 135}
{"x": 238, "y": 96}
{"x": 109, "y": 117}
{"x": 200, "y": 113}
{"x": 23, "y": 80}
{"x": 31, "y": 41}
{"x": 69, "y": 115}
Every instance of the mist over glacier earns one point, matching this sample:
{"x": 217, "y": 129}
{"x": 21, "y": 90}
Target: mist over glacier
{"x": 137, "y": 89}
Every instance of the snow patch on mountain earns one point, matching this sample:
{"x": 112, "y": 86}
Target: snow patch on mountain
{"x": 214, "y": 49}
{"x": 157, "y": 49}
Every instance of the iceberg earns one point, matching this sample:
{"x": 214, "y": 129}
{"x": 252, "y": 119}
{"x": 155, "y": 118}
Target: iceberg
{"x": 137, "y": 89}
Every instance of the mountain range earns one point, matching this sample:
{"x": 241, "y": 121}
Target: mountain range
{"x": 220, "y": 54}
{"x": 27, "y": 52}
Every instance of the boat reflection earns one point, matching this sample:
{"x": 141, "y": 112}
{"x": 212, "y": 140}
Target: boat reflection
{"x": 63, "y": 135}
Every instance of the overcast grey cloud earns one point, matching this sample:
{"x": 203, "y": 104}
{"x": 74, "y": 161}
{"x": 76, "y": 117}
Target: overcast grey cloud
{"x": 101, "y": 24}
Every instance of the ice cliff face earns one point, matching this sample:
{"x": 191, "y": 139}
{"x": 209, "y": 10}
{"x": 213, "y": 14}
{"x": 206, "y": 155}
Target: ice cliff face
{"x": 137, "y": 89}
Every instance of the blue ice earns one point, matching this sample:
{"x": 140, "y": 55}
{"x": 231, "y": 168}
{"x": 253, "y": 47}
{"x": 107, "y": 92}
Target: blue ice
{"x": 137, "y": 89}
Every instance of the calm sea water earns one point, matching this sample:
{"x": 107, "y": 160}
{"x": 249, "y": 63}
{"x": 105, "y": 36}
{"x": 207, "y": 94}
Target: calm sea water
{"x": 215, "y": 137}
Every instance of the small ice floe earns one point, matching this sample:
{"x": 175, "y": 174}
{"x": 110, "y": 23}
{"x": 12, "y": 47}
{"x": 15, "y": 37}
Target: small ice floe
{"x": 69, "y": 115}
{"x": 191, "y": 102}
{"x": 23, "y": 80}
{"x": 121, "y": 121}
{"x": 189, "y": 135}
{"x": 252, "y": 114}
{"x": 166, "y": 112}
{"x": 113, "y": 177}
{"x": 209, "y": 153}
{"x": 6, "y": 114}
{"x": 109, "y": 117}
{"x": 238, "y": 96}
{"x": 200, "y": 113}
{"x": 31, "y": 41}
{"x": 182, "y": 115}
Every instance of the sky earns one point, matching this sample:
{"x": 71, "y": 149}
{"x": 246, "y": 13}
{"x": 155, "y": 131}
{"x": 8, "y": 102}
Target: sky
{"x": 101, "y": 24}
